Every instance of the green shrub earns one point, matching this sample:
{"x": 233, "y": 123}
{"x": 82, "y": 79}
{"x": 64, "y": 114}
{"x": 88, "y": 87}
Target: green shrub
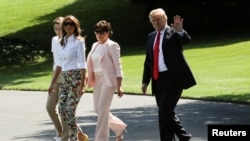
{"x": 16, "y": 51}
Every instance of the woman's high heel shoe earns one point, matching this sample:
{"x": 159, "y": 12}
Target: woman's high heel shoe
{"x": 82, "y": 136}
{"x": 119, "y": 138}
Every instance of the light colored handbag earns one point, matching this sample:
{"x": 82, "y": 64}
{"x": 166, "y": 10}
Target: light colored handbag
{"x": 60, "y": 79}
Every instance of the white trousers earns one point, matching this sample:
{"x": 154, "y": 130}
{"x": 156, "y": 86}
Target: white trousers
{"x": 103, "y": 96}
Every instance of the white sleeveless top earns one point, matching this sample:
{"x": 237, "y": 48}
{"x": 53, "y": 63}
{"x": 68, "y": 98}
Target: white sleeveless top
{"x": 96, "y": 56}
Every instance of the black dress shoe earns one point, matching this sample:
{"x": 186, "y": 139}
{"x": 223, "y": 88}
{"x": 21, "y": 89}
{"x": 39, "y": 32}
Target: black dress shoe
{"x": 185, "y": 137}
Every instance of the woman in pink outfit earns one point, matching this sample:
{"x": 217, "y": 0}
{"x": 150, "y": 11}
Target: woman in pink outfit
{"x": 105, "y": 75}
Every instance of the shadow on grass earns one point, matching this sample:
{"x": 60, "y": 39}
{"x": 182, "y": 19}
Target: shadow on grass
{"x": 24, "y": 72}
{"x": 88, "y": 15}
{"x": 129, "y": 31}
{"x": 239, "y": 98}
{"x": 218, "y": 39}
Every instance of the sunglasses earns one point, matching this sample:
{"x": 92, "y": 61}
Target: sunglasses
{"x": 99, "y": 32}
{"x": 68, "y": 23}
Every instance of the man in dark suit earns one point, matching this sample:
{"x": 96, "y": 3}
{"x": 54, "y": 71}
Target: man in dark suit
{"x": 168, "y": 70}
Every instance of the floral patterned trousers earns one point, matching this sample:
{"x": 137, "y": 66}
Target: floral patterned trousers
{"x": 68, "y": 101}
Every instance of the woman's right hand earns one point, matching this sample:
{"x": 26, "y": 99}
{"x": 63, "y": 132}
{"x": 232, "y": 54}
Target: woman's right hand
{"x": 120, "y": 92}
{"x": 144, "y": 89}
{"x": 51, "y": 89}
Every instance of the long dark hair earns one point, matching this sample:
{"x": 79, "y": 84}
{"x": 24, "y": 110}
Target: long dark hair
{"x": 77, "y": 31}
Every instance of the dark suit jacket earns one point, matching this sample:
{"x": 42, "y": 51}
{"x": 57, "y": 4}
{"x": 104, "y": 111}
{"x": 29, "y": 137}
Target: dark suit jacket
{"x": 174, "y": 59}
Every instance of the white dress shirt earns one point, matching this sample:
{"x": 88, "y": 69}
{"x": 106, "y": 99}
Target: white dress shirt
{"x": 161, "y": 64}
{"x": 72, "y": 55}
{"x": 54, "y": 48}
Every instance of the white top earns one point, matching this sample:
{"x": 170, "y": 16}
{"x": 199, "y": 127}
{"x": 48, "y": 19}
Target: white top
{"x": 96, "y": 56}
{"x": 161, "y": 64}
{"x": 72, "y": 55}
{"x": 54, "y": 46}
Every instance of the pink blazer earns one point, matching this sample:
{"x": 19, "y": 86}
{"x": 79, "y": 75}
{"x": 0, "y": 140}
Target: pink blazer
{"x": 110, "y": 64}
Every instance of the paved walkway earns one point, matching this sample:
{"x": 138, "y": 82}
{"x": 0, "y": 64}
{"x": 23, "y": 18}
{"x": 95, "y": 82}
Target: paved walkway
{"x": 23, "y": 116}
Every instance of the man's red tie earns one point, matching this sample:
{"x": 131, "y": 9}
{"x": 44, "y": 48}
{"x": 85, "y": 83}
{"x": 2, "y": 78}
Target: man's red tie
{"x": 156, "y": 56}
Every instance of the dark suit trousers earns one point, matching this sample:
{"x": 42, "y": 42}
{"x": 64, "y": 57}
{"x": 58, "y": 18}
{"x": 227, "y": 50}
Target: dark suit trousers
{"x": 167, "y": 96}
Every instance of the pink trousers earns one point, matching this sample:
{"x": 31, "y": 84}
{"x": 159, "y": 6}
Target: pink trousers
{"x": 103, "y": 96}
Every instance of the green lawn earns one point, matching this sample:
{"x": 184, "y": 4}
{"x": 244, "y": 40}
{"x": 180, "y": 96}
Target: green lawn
{"x": 222, "y": 73}
{"x": 28, "y": 19}
{"x": 221, "y": 65}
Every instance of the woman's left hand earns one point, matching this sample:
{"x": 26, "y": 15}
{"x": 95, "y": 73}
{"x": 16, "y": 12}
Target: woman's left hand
{"x": 120, "y": 92}
{"x": 81, "y": 90}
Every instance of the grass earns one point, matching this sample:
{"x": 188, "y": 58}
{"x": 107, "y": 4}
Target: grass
{"x": 34, "y": 18}
{"x": 220, "y": 64}
{"x": 221, "y": 72}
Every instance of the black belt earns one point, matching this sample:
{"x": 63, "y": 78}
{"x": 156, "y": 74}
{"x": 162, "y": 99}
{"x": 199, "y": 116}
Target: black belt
{"x": 163, "y": 72}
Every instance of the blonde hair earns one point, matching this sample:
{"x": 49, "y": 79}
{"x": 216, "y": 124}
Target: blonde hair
{"x": 159, "y": 11}
{"x": 58, "y": 20}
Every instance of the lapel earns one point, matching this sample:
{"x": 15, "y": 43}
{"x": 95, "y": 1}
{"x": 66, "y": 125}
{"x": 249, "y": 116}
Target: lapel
{"x": 165, "y": 41}
{"x": 152, "y": 39}
{"x": 151, "y": 43}
{"x": 167, "y": 35}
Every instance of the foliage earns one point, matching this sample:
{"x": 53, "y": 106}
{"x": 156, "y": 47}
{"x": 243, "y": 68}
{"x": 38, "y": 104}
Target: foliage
{"x": 16, "y": 51}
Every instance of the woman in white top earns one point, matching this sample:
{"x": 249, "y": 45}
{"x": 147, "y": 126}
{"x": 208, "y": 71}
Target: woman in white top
{"x": 72, "y": 66}
{"x": 105, "y": 75}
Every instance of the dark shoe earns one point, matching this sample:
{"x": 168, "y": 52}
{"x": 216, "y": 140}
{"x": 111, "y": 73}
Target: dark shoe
{"x": 185, "y": 137}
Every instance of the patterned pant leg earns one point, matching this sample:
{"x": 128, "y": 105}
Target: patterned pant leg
{"x": 68, "y": 101}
